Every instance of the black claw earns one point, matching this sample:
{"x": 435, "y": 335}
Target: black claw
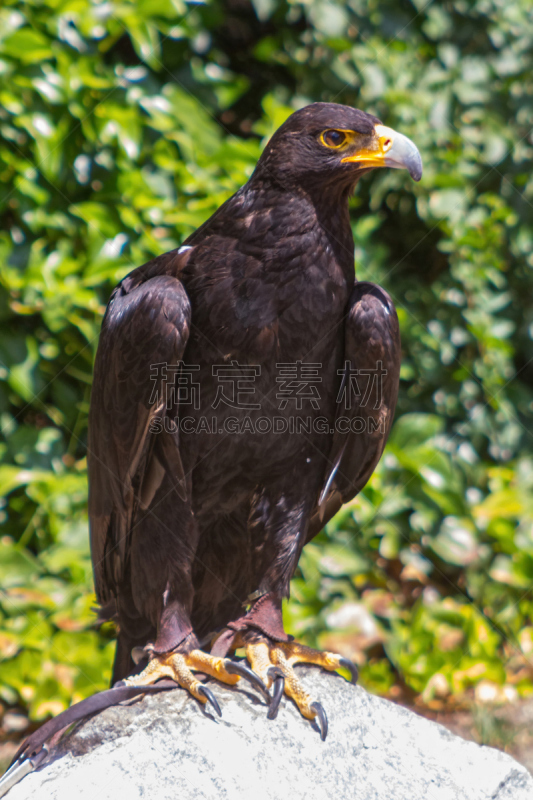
{"x": 350, "y": 666}
{"x": 208, "y": 694}
{"x": 278, "y": 689}
{"x": 320, "y": 719}
{"x": 238, "y": 668}
{"x": 137, "y": 655}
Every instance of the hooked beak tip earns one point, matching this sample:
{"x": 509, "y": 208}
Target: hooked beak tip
{"x": 404, "y": 154}
{"x": 414, "y": 168}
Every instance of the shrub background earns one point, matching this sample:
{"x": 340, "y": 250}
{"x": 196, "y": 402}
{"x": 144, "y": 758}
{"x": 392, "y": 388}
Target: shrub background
{"x": 123, "y": 125}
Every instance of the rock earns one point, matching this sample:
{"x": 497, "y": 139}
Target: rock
{"x": 166, "y": 747}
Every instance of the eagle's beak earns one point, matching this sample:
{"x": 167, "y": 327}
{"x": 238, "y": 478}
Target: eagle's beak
{"x": 391, "y": 149}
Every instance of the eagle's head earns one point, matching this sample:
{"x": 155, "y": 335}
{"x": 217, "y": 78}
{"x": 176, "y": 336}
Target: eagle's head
{"x": 328, "y": 144}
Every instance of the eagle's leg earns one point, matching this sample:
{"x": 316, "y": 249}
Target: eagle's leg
{"x": 181, "y": 667}
{"x": 281, "y": 518}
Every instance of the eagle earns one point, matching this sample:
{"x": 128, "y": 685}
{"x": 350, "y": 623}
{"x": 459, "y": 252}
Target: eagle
{"x": 244, "y": 388}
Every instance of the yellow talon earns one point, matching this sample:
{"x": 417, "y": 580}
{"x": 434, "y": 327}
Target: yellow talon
{"x": 180, "y": 666}
{"x": 274, "y": 664}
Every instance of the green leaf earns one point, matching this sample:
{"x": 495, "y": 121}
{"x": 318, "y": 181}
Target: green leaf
{"x": 28, "y": 45}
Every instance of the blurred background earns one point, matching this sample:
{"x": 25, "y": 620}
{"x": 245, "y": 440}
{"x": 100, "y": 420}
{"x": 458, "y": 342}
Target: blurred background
{"x": 123, "y": 126}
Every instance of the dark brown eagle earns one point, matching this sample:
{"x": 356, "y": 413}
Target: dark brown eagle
{"x": 244, "y": 389}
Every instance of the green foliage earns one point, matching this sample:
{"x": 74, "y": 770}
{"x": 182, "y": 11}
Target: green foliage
{"x": 122, "y": 127}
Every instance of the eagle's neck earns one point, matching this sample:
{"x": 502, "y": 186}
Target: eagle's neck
{"x": 290, "y": 221}
{"x": 273, "y": 266}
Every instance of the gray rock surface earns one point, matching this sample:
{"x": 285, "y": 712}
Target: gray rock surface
{"x": 165, "y": 747}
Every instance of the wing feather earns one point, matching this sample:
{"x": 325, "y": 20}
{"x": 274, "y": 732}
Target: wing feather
{"x": 146, "y": 323}
{"x": 366, "y": 401}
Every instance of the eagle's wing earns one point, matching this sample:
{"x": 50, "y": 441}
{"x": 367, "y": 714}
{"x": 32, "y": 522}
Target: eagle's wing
{"x": 144, "y": 334}
{"x": 366, "y": 400}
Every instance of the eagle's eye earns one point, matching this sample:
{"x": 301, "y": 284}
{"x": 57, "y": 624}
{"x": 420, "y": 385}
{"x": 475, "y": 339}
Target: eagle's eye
{"x": 333, "y": 138}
